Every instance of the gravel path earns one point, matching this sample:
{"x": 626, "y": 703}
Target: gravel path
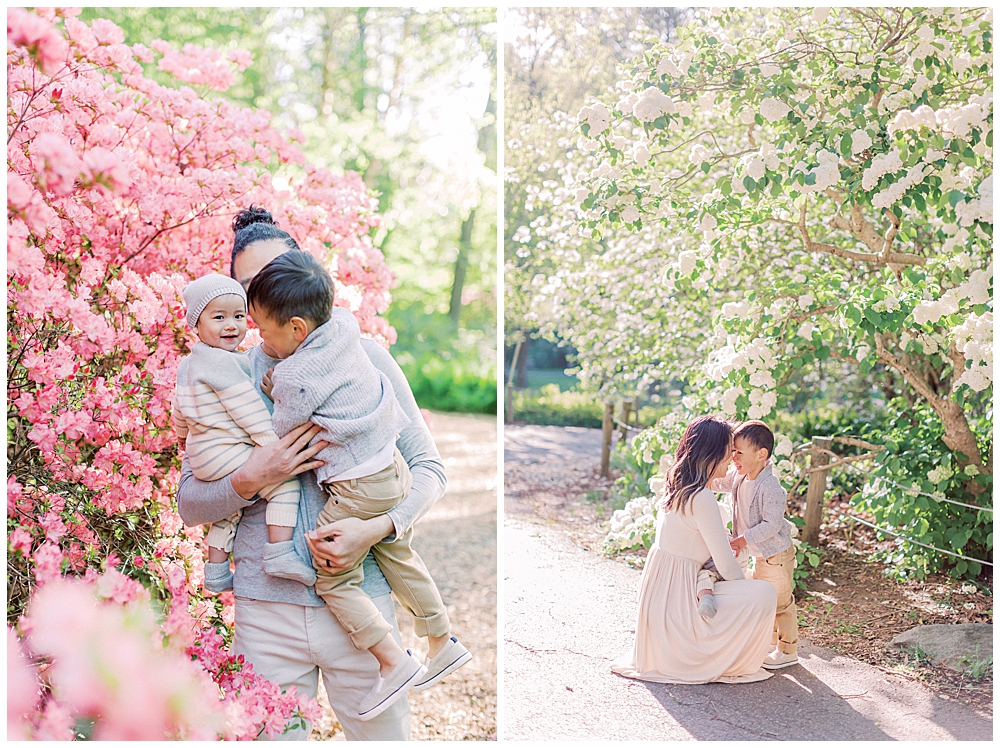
{"x": 569, "y": 612}
{"x": 457, "y": 540}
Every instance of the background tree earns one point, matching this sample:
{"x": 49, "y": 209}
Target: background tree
{"x": 556, "y": 58}
{"x": 816, "y": 186}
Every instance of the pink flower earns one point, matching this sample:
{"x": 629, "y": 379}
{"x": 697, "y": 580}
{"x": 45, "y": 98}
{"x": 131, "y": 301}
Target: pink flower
{"x": 48, "y": 562}
{"x": 20, "y": 540}
{"x": 39, "y": 37}
{"x": 57, "y": 163}
{"x": 22, "y": 689}
{"x": 104, "y": 170}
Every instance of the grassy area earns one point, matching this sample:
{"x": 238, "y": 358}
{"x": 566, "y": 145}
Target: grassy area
{"x": 538, "y": 378}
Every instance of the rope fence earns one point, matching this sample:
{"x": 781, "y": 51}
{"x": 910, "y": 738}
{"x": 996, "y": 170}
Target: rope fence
{"x": 915, "y": 542}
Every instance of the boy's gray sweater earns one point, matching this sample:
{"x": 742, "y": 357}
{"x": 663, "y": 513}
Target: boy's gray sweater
{"x": 769, "y": 531}
{"x": 330, "y": 381}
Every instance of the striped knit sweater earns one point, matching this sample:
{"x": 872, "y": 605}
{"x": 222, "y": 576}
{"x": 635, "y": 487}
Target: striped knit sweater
{"x": 330, "y": 381}
{"x": 215, "y": 406}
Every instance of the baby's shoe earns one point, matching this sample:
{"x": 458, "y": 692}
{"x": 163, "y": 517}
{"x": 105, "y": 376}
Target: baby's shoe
{"x": 707, "y": 607}
{"x": 387, "y": 691}
{"x": 281, "y": 560}
{"x": 218, "y": 577}
{"x": 451, "y": 657}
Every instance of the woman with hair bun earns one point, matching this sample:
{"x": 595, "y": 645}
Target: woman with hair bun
{"x": 673, "y": 642}
{"x": 283, "y": 627}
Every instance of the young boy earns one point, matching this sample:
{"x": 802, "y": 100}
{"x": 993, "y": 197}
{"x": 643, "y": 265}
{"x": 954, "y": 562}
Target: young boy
{"x": 220, "y": 415}
{"x": 760, "y": 527}
{"x": 325, "y": 377}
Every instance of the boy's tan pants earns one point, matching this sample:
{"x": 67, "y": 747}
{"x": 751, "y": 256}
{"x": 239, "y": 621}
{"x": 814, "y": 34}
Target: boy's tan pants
{"x": 364, "y": 498}
{"x": 777, "y": 570}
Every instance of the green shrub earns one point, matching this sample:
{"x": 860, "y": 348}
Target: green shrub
{"x": 549, "y": 406}
{"x": 449, "y": 368}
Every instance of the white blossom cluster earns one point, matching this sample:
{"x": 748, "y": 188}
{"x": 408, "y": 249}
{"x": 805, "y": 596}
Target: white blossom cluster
{"x": 940, "y": 473}
{"x": 757, "y": 361}
{"x": 976, "y": 288}
{"x": 959, "y": 121}
{"x": 676, "y": 66}
{"x": 860, "y": 141}
{"x": 652, "y": 103}
{"x": 631, "y": 526}
{"x": 974, "y": 338}
{"x": 827, "y": 172}
{"x": 773, "y": 109}
{"x": 882, "y": 164}
{"x": 734, "y": 309}
{"x": 895, "y": 191}
{"x": 597, "y": 116}
{"x": 979, "y": 208}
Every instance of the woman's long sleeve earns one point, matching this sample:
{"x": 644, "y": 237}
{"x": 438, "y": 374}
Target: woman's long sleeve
{"x": 709, "y": 521}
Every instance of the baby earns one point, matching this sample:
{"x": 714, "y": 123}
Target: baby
{"x": 221, "y": 416}
{"x": 324, "y": 376}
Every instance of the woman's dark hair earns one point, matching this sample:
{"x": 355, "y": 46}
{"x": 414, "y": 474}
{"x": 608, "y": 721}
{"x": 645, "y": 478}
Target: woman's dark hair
{"x": 292, "y": 285}
{"x": 707, "y": 441}
{"x": 255, "y": 225}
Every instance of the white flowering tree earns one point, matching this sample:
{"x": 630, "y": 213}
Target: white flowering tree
{"x": 820, "y": 183}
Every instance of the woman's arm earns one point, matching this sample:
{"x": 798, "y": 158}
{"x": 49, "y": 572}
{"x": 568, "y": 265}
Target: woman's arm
{"x": 200, "y": 502}
{"x": 416, "y": 445}
{"x": 353, "y": 537}
{"x": 709, "y": 521}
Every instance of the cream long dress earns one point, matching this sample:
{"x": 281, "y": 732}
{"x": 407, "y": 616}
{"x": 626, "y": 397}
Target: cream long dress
{"x": 673, "y": 643}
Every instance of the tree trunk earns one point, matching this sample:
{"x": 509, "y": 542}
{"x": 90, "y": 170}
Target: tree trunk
{"x": 522, "y": 364}
{"x": 461, "y": 266}
{"x": 958, "y": 434}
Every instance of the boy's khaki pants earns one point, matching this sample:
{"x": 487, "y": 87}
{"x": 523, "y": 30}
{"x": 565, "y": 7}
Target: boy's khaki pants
{"x": 777, "y": 570}
{"x": 364, "y": 498}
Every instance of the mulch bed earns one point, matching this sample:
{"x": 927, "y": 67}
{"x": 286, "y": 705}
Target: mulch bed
{"x": 849, "y": 606}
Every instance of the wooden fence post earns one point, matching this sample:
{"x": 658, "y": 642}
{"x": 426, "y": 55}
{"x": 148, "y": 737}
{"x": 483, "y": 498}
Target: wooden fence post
{"x": 606, "y": 432}
{"x": 816, "y": 488}
{"x": 626, "y": 411}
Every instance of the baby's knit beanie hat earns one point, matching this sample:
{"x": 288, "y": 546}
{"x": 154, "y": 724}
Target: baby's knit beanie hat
{"x": 198, "y": 293}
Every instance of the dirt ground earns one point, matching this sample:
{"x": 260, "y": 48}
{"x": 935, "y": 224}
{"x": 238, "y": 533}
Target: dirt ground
{"x": 850, "y": 606}
{"x": 457, "y": 540}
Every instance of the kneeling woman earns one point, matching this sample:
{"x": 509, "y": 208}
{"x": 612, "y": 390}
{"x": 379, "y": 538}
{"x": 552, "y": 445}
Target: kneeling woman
{"x": 673, "y": 643}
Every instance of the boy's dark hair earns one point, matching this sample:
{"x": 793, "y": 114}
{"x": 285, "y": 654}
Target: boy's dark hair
{"x": 293, "y": 285}
{"x": 758, "y": 434}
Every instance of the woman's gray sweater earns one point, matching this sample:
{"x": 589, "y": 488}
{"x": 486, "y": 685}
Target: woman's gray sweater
{"x": 202, "y": 502}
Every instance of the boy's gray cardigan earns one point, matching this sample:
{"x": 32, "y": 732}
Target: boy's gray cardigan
{"x": 769, "y": 531}
{"x": 330, "y": 381}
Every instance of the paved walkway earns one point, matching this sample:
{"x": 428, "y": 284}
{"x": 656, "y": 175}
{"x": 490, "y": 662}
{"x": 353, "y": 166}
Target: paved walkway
{"x": 568, "y": 613}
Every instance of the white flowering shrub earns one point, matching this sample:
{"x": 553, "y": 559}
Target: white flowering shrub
{"x": 632, "y": 527}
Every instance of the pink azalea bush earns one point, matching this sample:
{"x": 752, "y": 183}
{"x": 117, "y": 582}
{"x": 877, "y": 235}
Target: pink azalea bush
{"x": 119, "y": 191}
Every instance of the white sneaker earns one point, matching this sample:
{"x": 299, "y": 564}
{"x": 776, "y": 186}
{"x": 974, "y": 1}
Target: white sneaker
{"x": 451, "y": 657}
{"x": 387, "y": 691}
{"x": 778, "y": 659}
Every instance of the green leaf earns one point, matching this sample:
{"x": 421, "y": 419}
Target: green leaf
{"x": 874, "y": 317}
{"x": 955, "y": 197}
{"x": 847, "y": 145}
{"x": 852, "y": 313}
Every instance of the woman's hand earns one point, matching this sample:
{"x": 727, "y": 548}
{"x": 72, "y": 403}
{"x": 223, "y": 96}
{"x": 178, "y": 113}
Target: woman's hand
{"x": 738, "y": 544}
{"x": 275, "y": 463}
{"x": 341, "y": 544}
{"x": 267, "y": 383}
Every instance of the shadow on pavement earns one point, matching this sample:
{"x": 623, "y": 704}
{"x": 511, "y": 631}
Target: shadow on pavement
{"x": 793, "y": 705}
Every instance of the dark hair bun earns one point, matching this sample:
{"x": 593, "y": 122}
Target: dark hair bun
{"x": 251, "y": 215}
